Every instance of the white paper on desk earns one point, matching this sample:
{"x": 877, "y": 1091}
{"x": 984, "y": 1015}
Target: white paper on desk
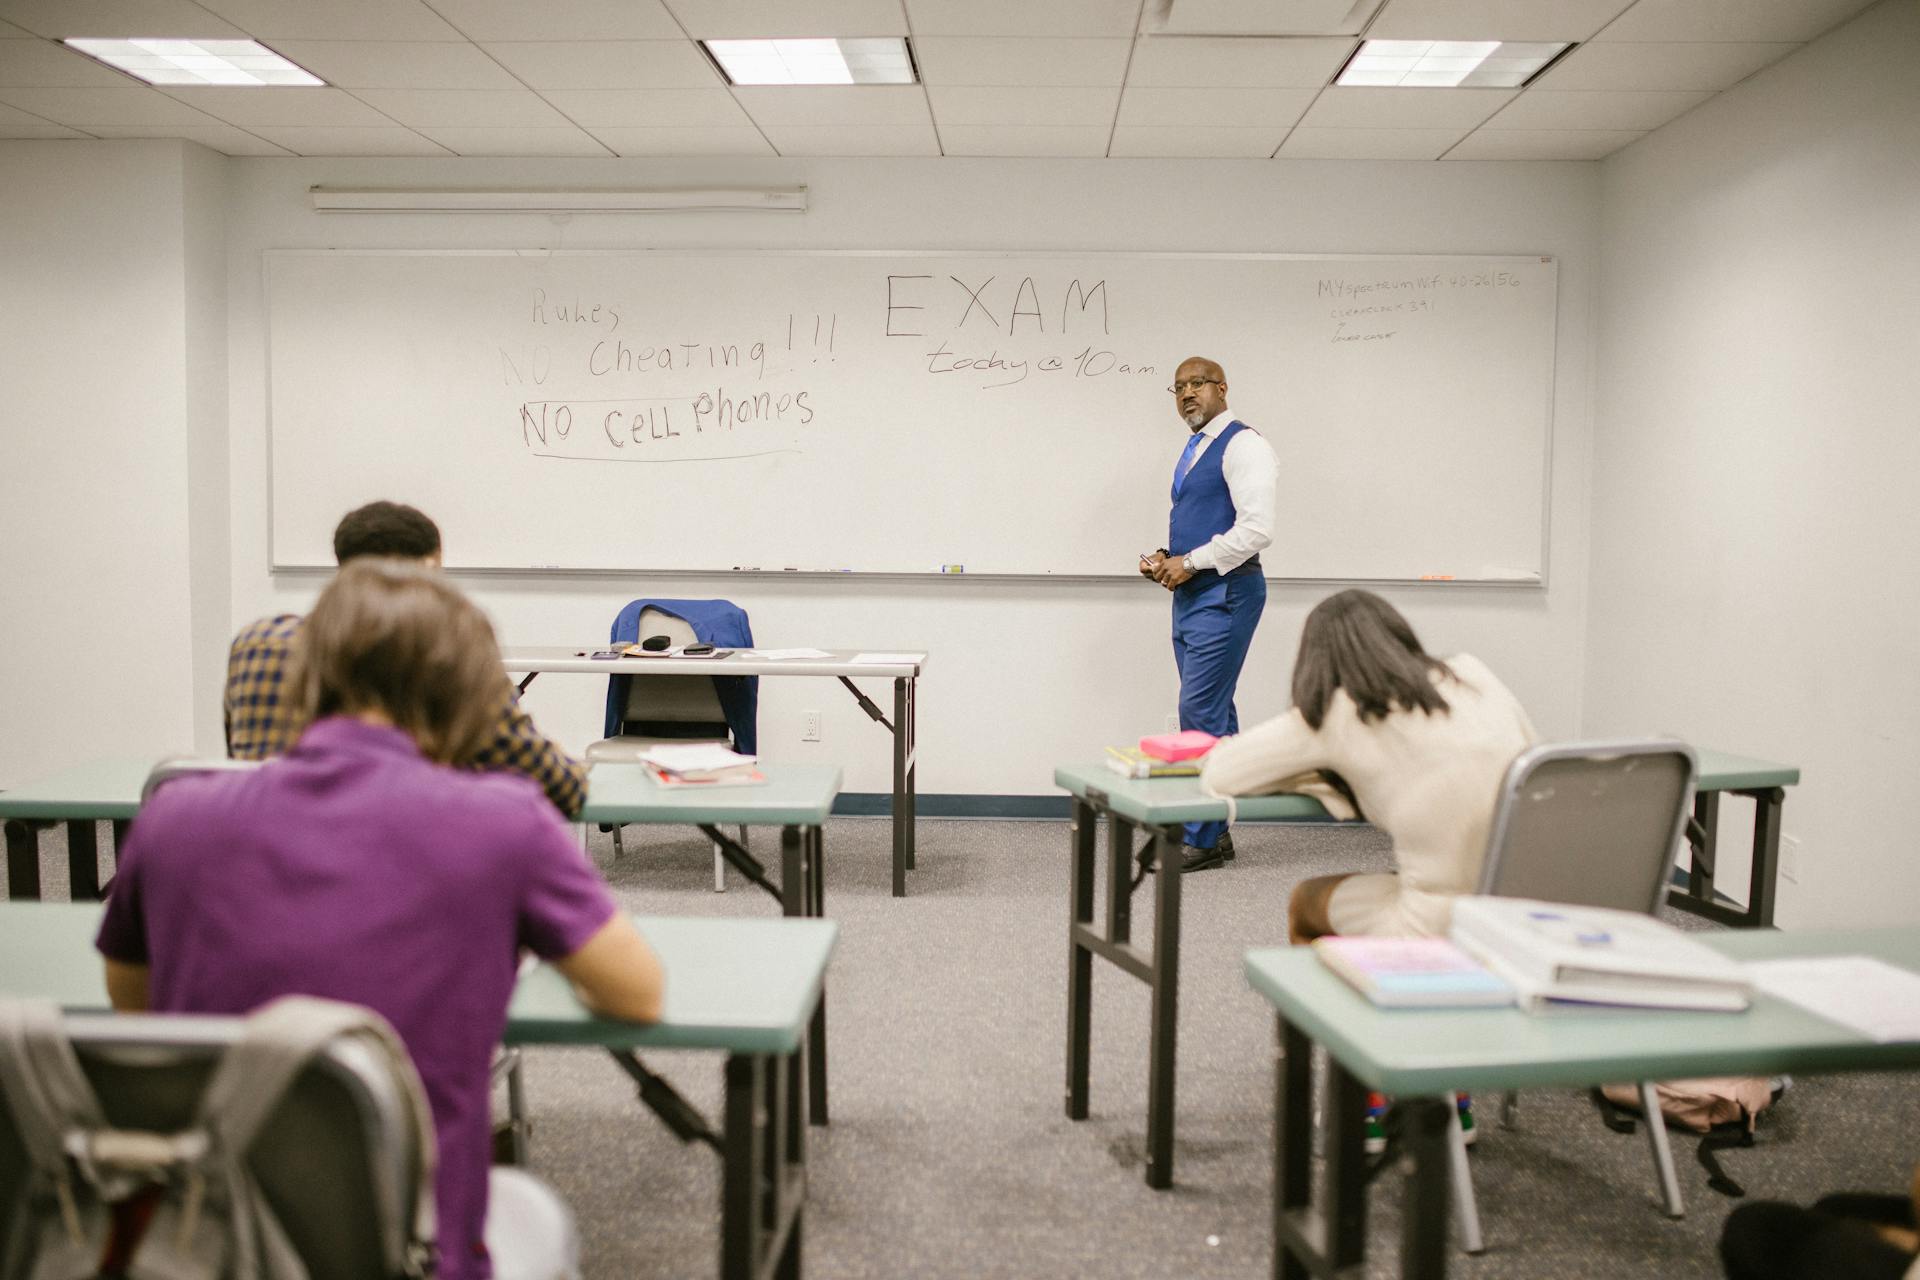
{"x": 1879, "y": 1000}
{"x": 887, "y": 659}
{"x": 780, "y": 655}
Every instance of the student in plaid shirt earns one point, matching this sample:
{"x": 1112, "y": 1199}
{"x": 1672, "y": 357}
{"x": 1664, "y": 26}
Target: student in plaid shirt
{"x": 263, "y": 718}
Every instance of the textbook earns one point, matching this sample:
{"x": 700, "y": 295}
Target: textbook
{"x": 700, "y": 764}
{"x": 1555, "y": 954}
{"x": 1132, "y": 762}
{"x": 1413, "y": 973}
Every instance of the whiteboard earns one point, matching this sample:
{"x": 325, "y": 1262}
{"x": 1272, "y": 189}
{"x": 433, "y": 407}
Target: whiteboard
{"x": 905, "y": 413}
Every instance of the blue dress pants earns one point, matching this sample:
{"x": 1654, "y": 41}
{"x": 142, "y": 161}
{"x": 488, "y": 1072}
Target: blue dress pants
{"x": 1213, "y": 622}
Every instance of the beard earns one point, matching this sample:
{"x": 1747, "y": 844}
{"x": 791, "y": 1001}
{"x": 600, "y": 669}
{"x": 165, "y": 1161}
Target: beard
{"x": 1195, "y": 417}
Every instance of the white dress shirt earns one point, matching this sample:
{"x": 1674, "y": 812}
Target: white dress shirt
{"x": 1252, "y": 473}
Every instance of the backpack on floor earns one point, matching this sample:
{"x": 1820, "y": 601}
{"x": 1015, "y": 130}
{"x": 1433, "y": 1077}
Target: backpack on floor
{"x": 95, "y": 1200}
{"x": 1722, "y": 1109}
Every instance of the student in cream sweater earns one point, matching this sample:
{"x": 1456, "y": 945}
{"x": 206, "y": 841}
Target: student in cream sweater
{"x": 1419, "y": 746}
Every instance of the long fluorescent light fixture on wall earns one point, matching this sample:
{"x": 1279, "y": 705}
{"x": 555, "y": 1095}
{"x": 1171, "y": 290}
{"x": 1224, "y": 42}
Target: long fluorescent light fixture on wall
{"x": 661, "y": 200}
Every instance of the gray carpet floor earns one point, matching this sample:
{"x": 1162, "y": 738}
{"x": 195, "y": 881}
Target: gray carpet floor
{"x": 949, "y": 1154}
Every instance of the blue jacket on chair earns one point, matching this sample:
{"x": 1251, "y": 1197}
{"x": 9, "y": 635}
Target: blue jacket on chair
{"x": 716, "y": 622}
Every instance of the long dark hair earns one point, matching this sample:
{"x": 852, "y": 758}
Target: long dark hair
{"x": 1356, "y": 641}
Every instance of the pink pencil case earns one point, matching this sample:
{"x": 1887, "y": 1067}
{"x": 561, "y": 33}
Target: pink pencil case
{"x": 1184, "y": 745}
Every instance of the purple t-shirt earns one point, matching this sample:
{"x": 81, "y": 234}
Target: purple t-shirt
{"x": 354, "y": 869}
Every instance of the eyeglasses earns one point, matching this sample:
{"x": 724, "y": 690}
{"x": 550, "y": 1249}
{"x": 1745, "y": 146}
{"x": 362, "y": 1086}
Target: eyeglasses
{"x": 1193, "y": 384}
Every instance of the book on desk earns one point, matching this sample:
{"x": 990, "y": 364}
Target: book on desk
{"x": 1132, "y": 762}
{"x": 1557, "y": 956}
{"x": 700, "y": 764}
{"x": 1413, "y": 973}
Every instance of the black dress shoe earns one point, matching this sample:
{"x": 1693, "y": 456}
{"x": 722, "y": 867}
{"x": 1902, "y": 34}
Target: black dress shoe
{"x": 1192, "y": 859}
{"x": 1225, "y": 847}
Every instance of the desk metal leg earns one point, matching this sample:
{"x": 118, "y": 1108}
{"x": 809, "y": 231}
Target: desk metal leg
{"x": 83, "y": 861}
{"x": 1423, "y": 1232}
{"x": 23, "y": 860}
{"x": 904, "y": 768}
{"x": 1079, "y": 960}
{"x": 1165, "y": 984}
{"x": 1697, "y": 898}
{"x": 798, "y": 894}
{"x": 1304, "y": 1244}
{"x": 1292, "y": 1149}
{"x": 1766, "y": 853}
{"x": 763, "y": 1176}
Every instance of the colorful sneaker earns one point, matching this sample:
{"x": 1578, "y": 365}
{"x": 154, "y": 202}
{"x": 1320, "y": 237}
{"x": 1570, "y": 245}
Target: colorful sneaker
{"x": 1376, "y": 1126}
{"x": 1463, "y": 1103}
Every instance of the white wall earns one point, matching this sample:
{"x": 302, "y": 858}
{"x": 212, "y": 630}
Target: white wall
{"x": 94, "y": 467}
{"x": 1755, "y": 542}
{"x": 1093, "y": 664}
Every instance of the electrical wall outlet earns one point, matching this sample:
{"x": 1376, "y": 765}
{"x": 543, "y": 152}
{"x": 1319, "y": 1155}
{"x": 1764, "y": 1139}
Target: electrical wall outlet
{"x": 1173, "y": 723}
{"x": 1790, "y": 858}
{"x": 809, "y": 726}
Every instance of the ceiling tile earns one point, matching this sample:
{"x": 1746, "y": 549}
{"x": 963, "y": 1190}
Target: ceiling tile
{"x": 350, "y": 141}
{"x": 1594, "y": 109}
{"x": 1024, "y": 140}
{"x": 464, "y": 108}
{"x": 1636, "y": 65}
{"x": 648, "y": 108}
{"x": 770, "y": 19}
{"x": 1368, "y": 144}
{"x": 858, "y": 104}
{"x": 224, "y": 138}
{"x": 1762, "y": 20}
{"x": 1184, "y": 142}
{"x": 1542, "y": 144}
{"x": 394, "y": 64}
{"x": 1405, "y": 108}
{"x": 1275, "y": 63}
{"x": 309, "y": 107}
{"x": 854, "y": 140}
{"x": 15, "y": 123}
{"x": 608, "y": 64}
{"x": 173, "y": 19}
{"x": 1235, "y": 107}
{"x": 1495, "y": 19}
{"x": 269, "y": 20}
{"x": 514, "y": 141}
{"x": 1023, "y": 17}
{"x": 561, "y": 19}
{"x": 42, "y": 64}
{"x": 1020, "y": 61}
{"x": 963, "y": 105}
{"x": 82, "y": 108}
{"x": 719, "y": 141}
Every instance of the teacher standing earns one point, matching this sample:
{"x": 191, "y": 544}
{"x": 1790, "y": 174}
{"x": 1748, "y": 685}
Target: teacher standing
{"x": 1223, "y": 500}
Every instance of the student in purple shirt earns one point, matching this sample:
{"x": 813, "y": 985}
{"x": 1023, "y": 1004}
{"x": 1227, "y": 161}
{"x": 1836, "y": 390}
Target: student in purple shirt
{"x": 361, "y": 866}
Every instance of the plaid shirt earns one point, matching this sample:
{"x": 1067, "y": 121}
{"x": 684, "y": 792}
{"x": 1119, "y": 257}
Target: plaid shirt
{"x": 263, "y": 721}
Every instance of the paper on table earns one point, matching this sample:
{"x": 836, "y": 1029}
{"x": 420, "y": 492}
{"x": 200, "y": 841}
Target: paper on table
{"x": 887, "y": 659}
{"x": 778, "y": 655}
{"x": 1879, "y": 1000}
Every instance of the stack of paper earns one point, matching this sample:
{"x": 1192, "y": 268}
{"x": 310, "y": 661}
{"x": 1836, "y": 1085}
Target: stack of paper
{"x": 1555, "y": 954}
{"x": 1412, "y": 973}
{"x": 700, "y": 764}
{"x": 1132, "y": 762}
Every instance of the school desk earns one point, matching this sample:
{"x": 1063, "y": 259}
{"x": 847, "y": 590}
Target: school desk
{"x": 746, "y": 987}
{"x": 1421, "y": 1055}
{"x": 1156, "y": 808}
{"x": 838, "y": 664}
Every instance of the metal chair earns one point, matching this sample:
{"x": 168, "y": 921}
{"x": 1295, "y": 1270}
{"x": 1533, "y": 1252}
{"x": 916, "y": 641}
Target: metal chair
{"x": 1590, "y": 824}
{"x": 660, "y": 710}
{"x": 339, "y": 1158}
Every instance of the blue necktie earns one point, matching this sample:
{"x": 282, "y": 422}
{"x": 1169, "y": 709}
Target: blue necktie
{"x": 1185, "y": 464}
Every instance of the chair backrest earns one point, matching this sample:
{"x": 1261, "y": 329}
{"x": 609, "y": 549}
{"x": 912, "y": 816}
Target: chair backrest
{"x": 1592, "y": 823}
{"x": 338, "y": 1159}
{"x": 677, "y": 700}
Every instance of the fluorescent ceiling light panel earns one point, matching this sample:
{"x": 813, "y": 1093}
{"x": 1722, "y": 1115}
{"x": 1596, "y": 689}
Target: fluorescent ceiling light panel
{"x": 877, "y": 61}
{"x": 228, "y": 62}
{"x": 1448, "y": 64}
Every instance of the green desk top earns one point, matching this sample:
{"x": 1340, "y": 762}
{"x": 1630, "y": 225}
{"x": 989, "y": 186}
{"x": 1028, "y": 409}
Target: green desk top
{"x": 108, "y": 788}
{"x": 1162, "y": 801}
{"x": 792, "y": 795}
{"x": 743, "y": 985}
{"x": 1428, "y": 1051}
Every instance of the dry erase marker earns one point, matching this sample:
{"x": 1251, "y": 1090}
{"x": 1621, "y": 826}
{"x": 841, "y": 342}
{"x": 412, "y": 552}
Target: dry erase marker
{"x": 1436, "y": 577}
{"x": 953, "y": 568}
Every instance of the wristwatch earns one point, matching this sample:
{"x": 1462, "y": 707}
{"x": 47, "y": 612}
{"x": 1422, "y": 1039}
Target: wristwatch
{"x": 1188, "y": 562}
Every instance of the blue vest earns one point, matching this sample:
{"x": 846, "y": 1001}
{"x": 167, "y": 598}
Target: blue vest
{"x": 1202, "y": 506}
